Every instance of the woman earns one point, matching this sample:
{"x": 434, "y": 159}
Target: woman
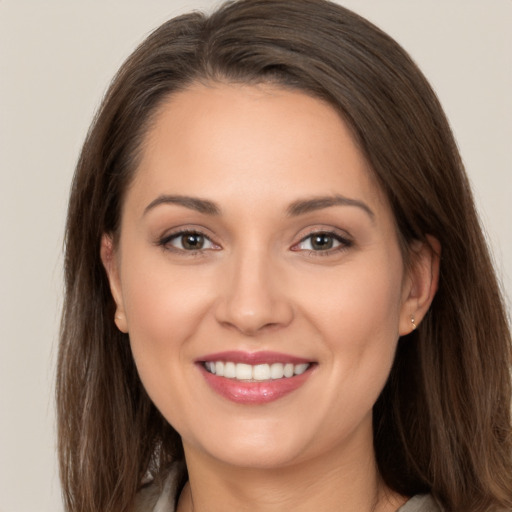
{"x": 278, "y": 294}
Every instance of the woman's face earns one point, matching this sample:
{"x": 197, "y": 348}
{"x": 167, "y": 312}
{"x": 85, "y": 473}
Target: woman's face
{"x": 255, "y": 244}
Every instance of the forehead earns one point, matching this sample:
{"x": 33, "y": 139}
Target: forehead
{"x": 251, "y": 142}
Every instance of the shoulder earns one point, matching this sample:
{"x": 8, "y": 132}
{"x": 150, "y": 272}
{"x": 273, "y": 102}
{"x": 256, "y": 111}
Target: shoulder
{"x": 421, "y": 503}
{"x": 160, "y": 496}
{"x": 146, "y": 498}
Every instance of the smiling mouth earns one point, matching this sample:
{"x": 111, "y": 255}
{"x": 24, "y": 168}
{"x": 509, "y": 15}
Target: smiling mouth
{"x": 255, "y": 373}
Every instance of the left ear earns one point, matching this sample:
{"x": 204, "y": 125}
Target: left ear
{"x": 111, "y": 265}
{"x": 420, "y": 283}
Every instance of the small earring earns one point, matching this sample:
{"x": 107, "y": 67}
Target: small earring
{"x": 414, "y": 326}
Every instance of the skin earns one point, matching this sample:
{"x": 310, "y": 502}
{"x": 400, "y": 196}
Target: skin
{"x": 256, "y": 284}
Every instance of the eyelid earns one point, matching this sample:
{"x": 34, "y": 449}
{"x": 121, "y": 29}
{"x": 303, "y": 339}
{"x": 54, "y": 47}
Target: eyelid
{"x": 165, "y": 240}
{"x": 345, "y": 241}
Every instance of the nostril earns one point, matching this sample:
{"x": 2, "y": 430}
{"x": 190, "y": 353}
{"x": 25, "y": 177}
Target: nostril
{"x": 250, "y": 302}
{"x": 250, "y": 328}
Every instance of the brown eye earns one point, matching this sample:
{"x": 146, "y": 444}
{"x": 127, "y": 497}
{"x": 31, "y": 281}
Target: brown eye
{"x": 187, "y": 241}
{"x": 192, "y": 241}
{"x": 322, "y": 242}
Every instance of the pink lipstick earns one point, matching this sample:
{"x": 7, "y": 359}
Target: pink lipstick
{"x": 254, "y": 378}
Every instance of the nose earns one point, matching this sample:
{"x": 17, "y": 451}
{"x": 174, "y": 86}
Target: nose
{"x": 252, "y": 298}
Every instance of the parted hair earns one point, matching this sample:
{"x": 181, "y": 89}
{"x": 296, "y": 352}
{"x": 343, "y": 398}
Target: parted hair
{"x": 442, "y": 423}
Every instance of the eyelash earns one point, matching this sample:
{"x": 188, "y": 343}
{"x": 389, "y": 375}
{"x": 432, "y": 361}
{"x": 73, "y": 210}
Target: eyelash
{"x": 344, "y": 243}
{"x": 165, "y": 242}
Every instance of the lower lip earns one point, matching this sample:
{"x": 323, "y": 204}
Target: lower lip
{"x": 254, "y": 392}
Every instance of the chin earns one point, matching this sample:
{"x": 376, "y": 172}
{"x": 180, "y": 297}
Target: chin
{"x": 257, "y": 458}
{"x": 258, "y": 451}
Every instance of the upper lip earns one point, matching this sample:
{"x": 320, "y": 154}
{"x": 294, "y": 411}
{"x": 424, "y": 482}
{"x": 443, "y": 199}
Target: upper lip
{"x": 253, "y": 358}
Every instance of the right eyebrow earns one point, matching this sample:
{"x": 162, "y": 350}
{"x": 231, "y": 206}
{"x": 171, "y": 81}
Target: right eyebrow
{"x": 192, "y": 203}
{"x": 301, "y": 207}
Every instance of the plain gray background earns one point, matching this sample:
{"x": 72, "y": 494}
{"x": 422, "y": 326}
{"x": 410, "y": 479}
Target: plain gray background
{"x": 56, "y": 59}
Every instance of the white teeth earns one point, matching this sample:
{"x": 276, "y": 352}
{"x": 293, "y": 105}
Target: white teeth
{"x": 300, "y": 368}
{"x": 276, "y": 371}
{"x": 288, "y": 370}
{"x": 243, "y": 371}
{"x": 210, "y": 366}
{"x": 230, "y": 370}
{"x": 258, "y": 372}
{"x": 261, "y": 372}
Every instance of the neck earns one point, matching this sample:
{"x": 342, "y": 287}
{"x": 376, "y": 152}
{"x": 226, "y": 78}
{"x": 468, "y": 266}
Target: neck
{"x": 331, "y": 482}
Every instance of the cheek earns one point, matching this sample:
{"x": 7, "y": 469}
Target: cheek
{"x": 163, "y": 308}
{"x": 357, "y": 315}
{"x": 361, "y": 298}
{"x": 363, "y": 342}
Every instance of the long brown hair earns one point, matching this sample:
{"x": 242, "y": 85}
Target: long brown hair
{"x": 442, "y": 423}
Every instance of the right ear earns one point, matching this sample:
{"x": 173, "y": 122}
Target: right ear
{"x": 109, "y": 259}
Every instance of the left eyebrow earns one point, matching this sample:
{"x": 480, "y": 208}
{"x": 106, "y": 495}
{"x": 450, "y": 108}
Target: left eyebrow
{"x": 192, "y": 203}
{"x": 302, "y": 206}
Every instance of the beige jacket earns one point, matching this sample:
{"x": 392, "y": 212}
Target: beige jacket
{"x": 153, "y": 499}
